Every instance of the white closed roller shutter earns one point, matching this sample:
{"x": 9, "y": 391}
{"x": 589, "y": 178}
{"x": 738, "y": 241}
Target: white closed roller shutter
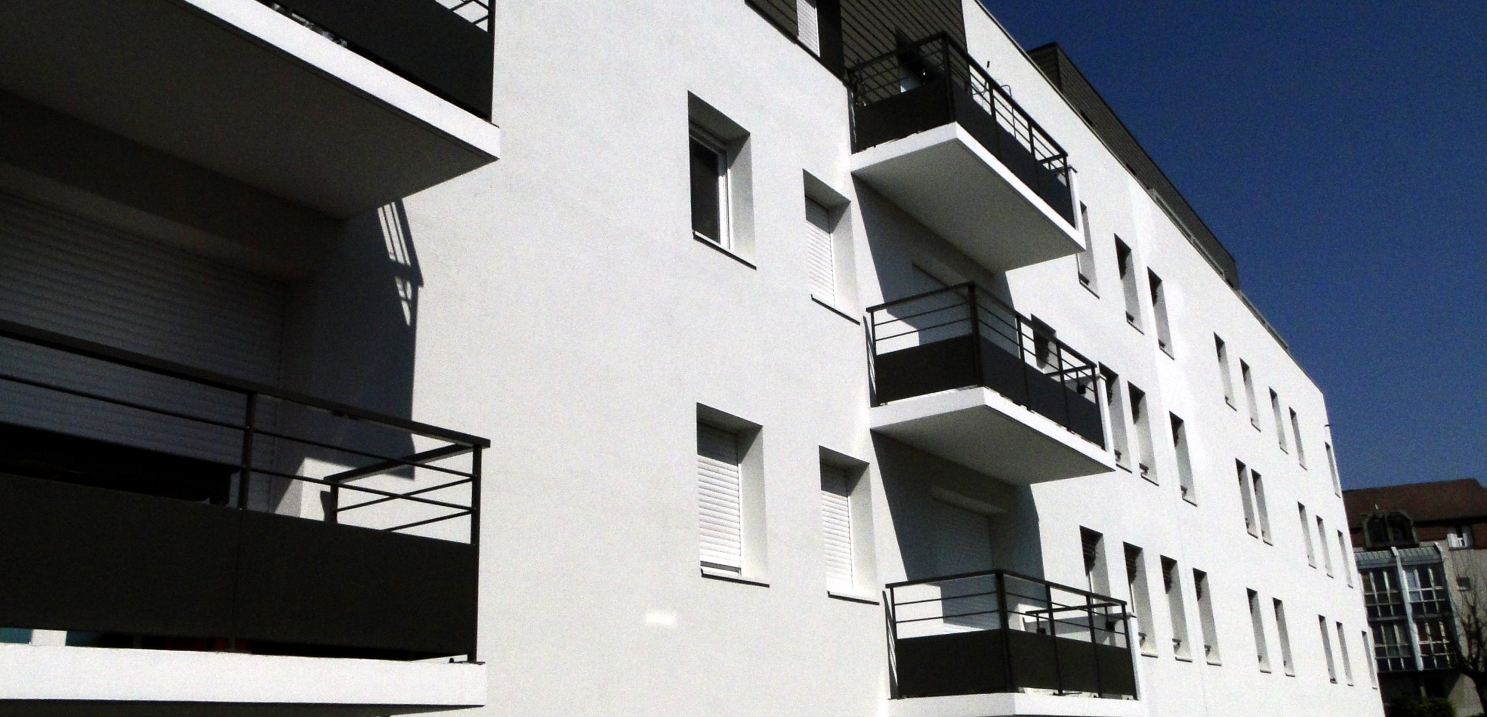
{"x": 836, "y": 528}
{"x": 822, "y": 253}
{"x": 807, "y": 18}
{"x": 719, "y": 499}
{"x": 75, "y": 277}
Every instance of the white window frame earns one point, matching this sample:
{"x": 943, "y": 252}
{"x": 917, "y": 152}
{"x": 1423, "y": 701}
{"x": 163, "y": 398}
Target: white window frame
{"x": 725, "y": 212}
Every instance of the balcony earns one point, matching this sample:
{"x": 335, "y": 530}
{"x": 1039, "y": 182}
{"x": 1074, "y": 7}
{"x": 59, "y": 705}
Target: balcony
{"x": 940, "y": 138}
{"x": 998, "y": 643}
{"x": 319, "y": 562}
{"x": 959, "y": 374}
{"x": 338, "y": 105}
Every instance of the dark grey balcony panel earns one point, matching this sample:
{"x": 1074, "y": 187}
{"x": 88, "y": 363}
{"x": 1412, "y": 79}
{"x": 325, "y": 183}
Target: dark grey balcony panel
{"x": 418, "y": 39}
{"x": 311, "y": 583}
{"x": 80, "y": 558}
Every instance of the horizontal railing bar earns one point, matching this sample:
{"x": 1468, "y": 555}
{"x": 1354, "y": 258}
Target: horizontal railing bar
{"x": 417, "y": 459}
{"x": 364, "y": 489}
{"x": 130, "y": 359}
{"x": 430, "y": 520}
{"x": 353, "y": 451}
{"x": 121, "y": 402}
{"x": 902, "y": 603}
{"x": 1008, "y": 573}
{"x": 935, "y": 310}
{"x": 949, "y": 617}
{"x": 430, "y": 489}
{"x": 916, "y": 297}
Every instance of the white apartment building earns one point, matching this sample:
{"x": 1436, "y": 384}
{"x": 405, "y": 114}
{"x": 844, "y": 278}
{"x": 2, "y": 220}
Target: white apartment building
{"x": 799, "y": 357}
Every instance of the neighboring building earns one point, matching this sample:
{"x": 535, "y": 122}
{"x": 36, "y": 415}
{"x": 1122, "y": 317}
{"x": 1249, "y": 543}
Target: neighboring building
{"x": 1422, "y": 555}
{"x": 796, "y": 358}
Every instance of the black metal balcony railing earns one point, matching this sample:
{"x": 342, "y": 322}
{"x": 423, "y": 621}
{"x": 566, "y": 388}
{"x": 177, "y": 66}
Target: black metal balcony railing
{"x": 443, "y": 46}
{"x": 143, "y": 546}
{"x": 934, "y": 83}
{"x": 998, "y": 631}
{"x": 963, "y": 336}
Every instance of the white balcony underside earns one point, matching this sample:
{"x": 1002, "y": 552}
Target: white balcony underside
{"x": 982, "y": 430}
{"x": 945, "y": 179}
{"x": 121, "y": 683}
{"x": 233, "y": 86}
{"x": 1015, "y": 705}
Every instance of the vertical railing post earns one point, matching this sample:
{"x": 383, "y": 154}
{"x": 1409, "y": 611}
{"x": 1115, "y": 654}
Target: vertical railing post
{"x": 250, "y": 415}
{"x": 1058, "y": 669}
{"x": 1125, "y": 626}
{"x": 892, "y": 601}
{"x": 1094, "y": 642}
{"x": 975, "y": 313}
{"x": 333, "y": 511}
{"x": 475, "y": 544}
{"x": 1006, "y": 622}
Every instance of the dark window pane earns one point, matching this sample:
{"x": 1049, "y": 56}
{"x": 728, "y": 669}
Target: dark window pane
{"x": 705, "y": 209}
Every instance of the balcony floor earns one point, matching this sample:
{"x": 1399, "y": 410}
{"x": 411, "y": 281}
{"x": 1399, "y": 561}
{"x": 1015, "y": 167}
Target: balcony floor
{"x": 235, "y": 87}
{"x": 984, "y": 431}
{"x": 1015, "y": 705}
{"x": 119, "y": 683}
{"x": 944, "y": 178}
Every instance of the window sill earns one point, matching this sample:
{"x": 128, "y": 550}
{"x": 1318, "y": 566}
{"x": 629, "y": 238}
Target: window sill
{"x": 1088, "y": 286}
{"x": 728, "y": 577}
{"x": 723, "y": 250}
{"x": 1190, "y": 500}
{"x": 1215, "y": 663}
{"x": 835, "y": 310}
{"x": 850, "y": 597}
{"x": 1132, "y": 323}
{"x": 1144, "y": 653}
{"x": 1230, "y": 401}
{"x": 1125, "y": 468}
{"x": 1182, "y": 658}
{"x": 1268, "y": 541}
{"x": 1265, "y": 670}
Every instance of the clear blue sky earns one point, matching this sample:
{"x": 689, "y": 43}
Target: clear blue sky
{"x": 1339, "y": 150}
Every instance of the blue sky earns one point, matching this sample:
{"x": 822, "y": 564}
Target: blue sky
{"x": 1339, "y": 150}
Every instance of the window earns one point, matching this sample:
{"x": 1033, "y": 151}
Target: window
{"x": 1284, "y": 635}
{"x": 1096, "y": 574}
{"x": 719, "y": 165}
{"x": 821, "y": 251}
{"x": 1311, "y": 554}
{"x": 1459, "y": 536}
{"x": 1086, "y": 259}
{"x": 1123, "y": 262}
{"x": 1280, "y": 427}
{"x": 1369, "y": 665}
{"x": 1296, "y": 431}
{"x": 1224, "y": 372}
{"x": 1205, "y": 617}
{"x": 1257, "y": 623}
{"x": 1382, "y": 597}
{"x": 1140, "y": 600}
{"x": 1391, "y": 647}
{"x": 1322, "y": 544}
{"x": 1332, "y": 464}
{"x": 730, "y": 497}
{"x": 1327, "y": 650}
{"x": 1464, "y": 584}
{"x": 1342, "y": 652}
{"x": 1116, "y": 405}
{"x": 1247, "y": 500}
{"x": 1343, "y": 551}
{"x": 1249, "y": 393}
{"x": 1172, "y": 586}
{"x": 1262, "y": 511}
{"x": 709, "y": 188}
{"x": 808, "y": 21}
{"x": 1146, "y": 462}
{"x": 836, "y": 529}
{"x": 1159, "y": 312}
{"x": 1184, "y": 462}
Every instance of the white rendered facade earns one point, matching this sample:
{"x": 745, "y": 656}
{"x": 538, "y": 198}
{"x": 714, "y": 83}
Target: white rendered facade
{"x": 558, "y": 303}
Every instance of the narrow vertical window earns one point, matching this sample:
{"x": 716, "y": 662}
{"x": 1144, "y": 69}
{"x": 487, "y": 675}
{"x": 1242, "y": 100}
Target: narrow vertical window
{"x": 1246, "y": 499}
{"x": 709, "y": 169}
{"x": 1342, "y": 653}
{"x": 1096, "y": 575}
{"x": 1280, "y": 426}
{"x": 1284, "y": 635}
{"x": 1332, "y": 465}
{"x": 1086, "y": 258}
{"x": 836, "y": 529}
{"x": 1225, "y": 374}
{"x": 1146, "y": 462}
{"x": 1322, "y": 544}
{"x": 808, "y": 21}
{"x": 1343, "y": 550}
{"x": 1296, "y": 431}
{"x": 720, "y": 499}
{"x": 1262, "y": 511}
{"x": 1123, "y": 262}
{"x": 1257, "y": 623}
{"x": 1311, "y": 553}
{"x": 1159, "y": 312}
{"x": 1327, "y": 650}
{"x": 1140, "y": 600}
{"x": 1116, "y": 405}
{"x": 1369, "y": 664}
{"x": 821, "y": 252}
{"x": 1249, "y": 393}
{"x": 1172, "y": 586}
{"x": 1184, "y": 461}
{"x": 1205, "y": 617}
